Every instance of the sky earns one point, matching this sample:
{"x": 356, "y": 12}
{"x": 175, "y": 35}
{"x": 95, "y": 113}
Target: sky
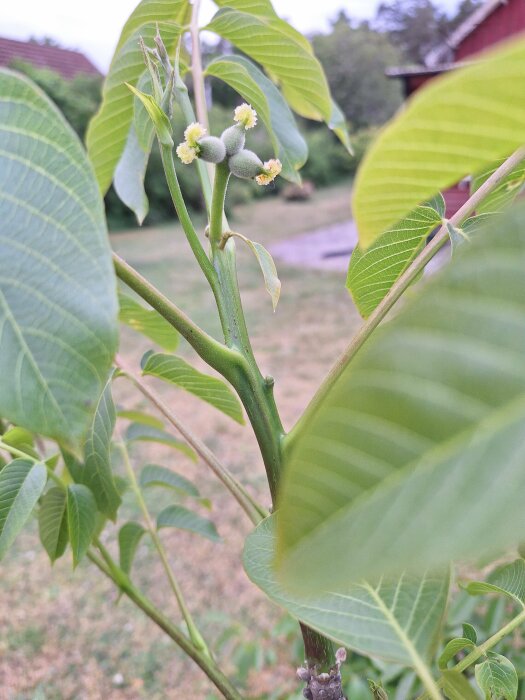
{"x": 94, "y": 26}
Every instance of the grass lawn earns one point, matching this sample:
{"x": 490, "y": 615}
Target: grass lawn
{"x": 62, "y": 633}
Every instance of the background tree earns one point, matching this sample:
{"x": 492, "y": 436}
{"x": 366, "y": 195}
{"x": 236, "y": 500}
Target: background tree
{"x": 355, "y": 59}
{"x": 418, "y": 26}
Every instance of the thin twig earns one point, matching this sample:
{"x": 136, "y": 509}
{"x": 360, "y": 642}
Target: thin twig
{"x": 209, "y": 667}
{"x": 193, "y": 631}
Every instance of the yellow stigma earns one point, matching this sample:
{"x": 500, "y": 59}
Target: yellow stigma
{"x": 271, "y": 169}
{"x": 186, "y": 153}
{"x": 193, "y": 133}
{"x": 245, "y": 115}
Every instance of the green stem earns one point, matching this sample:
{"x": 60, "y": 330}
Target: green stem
{"x": 141, "y": 601}
{"x": 401, "y": 285}
{"x": 253, "y": 510}
{"x": 184, "y": 217}
{"x": 193, "y": 631}
{"x": 210, "y": 350}
{"x": 482, "y": 649}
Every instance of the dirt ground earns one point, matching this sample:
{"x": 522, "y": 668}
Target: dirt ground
{"x": 62, "y": 634}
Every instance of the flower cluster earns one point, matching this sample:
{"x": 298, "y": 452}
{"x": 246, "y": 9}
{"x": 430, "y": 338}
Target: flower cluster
{"x": 241, "y": 162}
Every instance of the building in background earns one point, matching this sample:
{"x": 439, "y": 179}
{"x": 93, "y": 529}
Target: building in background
{"x": 492, "y": 22}
{"x": 65, "y": 62}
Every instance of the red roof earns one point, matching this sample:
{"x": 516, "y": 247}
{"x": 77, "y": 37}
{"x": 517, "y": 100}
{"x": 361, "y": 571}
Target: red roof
{"x": 64, "y": 61}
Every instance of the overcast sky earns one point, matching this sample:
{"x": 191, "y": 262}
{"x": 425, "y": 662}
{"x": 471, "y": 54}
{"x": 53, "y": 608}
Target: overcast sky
{"x": 94, "y": 26}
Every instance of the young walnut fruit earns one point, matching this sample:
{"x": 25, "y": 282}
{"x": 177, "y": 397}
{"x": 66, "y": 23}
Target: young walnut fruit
{"x": 245, "y": 164}
{"x": 234, "y": 139}
{"x": 211, "y": 149}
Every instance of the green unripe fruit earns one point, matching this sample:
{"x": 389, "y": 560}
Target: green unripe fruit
{"x": 245, "y": 164}
{"x": 234, "y": 138}
{"x": 211, "y": 149}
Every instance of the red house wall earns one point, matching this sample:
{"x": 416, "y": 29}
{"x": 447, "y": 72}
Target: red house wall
{"x": 505, "y": 21}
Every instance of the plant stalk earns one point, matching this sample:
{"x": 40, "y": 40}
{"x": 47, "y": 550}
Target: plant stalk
{"x": 401, "y": 285}
{"x": 207, "y": 664}
{"x": 253, "y": 510}
{"x": 193, "y": 631}
{"x": 210, "y": 350}
{"x": 482, "y": 649}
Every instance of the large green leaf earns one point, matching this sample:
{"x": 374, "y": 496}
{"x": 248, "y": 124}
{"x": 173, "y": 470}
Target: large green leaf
{"x": 285, "y": 55}
{"x": 109, "y": 129}
{"x": 96, "y": 470}
{"x": 177, "y": 371}
{"x": 454, "y": 127}
{"x": 373, "y": 271}
{"x": 129, "y": 537}
{"x": 57, "y": 286}
{"x": 244, "y": 77}
{"x": 184, "y": 519}
{"x": 21, "y": 485}
{"x": 421, "y": 436}
{"x": 148, "y": 322}
{"x": 397, "y": 621}
{"x": 52, "y": 522}
{"x": 81, "y": 519}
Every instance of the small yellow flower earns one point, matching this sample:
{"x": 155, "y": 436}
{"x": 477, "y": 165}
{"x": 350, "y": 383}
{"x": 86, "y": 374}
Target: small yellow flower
{"x": 186, "y": 153}
{"x": 271, "y": 169}
{"x": 245, "y": 115}
{"x": 193, "y": 133}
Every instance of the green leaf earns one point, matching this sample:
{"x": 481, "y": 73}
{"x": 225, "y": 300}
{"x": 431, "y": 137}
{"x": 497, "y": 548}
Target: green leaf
{"x": 396, "y": 621}
{"x": 177, "y": 371}
{"x": 373, "y": 272}
{"x": 267, "y": 265}
{"x": 184, "y": 519}
{"x": 81, "y": 519}
{"x": 52, "y": 522}
{"x": 145, "y": 433}
{"x": 457, "y": 687}
{"x": 508, "y": 579}
{"x": 129, "y": 537}
{"x": 57, "y": 284}
{"x": 157, "y": 115}
{"x": 96, "y": 470}
{"x": 261, "y": 8}
{"x": 505, "y": 193}
{"x": 148, "y": 322}
{"x": 142, "y": 418}
{"x": 276, "y": 46}
{"x": 431, "y": 408}
{"x": 22, "y": 439}
{"x": 428, "y": 146}
{"x": 470, "y": 633}
{"x": 244, "y": 77}
{"x": 129, "y": 176}
{"x": 109, "y": 129}
{"x": 339, "y": 126}
{"x": 452, "y": 648}
{"x": 154, "y": 475}
{"x": 497, "y": 677}
{"x": 21, "y": 485}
